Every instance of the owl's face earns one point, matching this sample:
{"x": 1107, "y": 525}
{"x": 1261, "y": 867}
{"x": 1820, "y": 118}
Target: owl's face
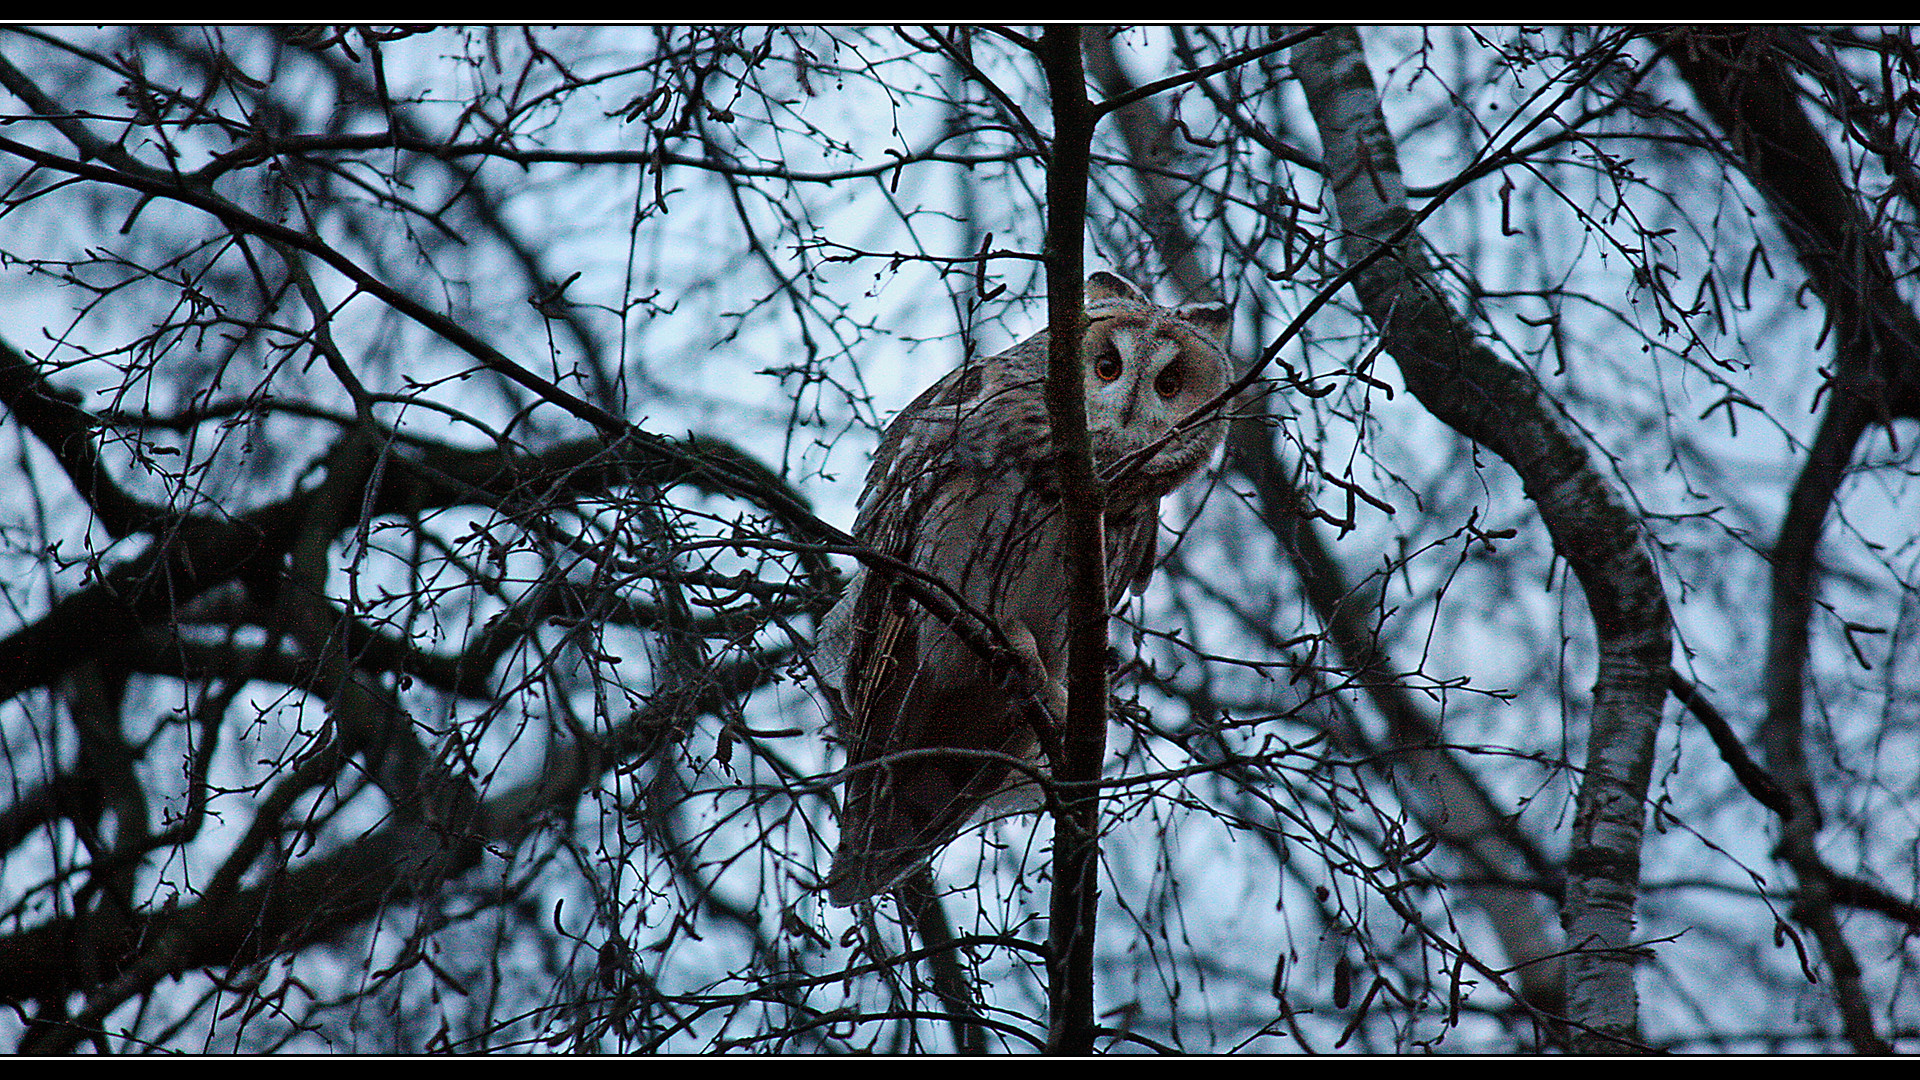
{"x": 1148, "y": 368}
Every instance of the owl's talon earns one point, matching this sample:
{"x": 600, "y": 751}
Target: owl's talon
{"x": 1053, "y": 691}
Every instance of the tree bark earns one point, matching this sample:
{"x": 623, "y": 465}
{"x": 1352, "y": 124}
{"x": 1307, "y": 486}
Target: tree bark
{"x": 1076, "y": 840}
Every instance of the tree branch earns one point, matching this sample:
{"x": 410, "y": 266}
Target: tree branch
{"x": 1076, "y": 841}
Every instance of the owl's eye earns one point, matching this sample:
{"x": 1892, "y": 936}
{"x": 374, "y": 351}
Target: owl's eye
{"x": 1167, "y": 384}
{"x": 1108, "y": 365}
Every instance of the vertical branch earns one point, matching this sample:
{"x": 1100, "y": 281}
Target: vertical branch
{"x": 1077, "y": 814}
{"x": 1739, "y": 80}
{"x": 1500, "y": 407}
{"x": 920, "y": 905}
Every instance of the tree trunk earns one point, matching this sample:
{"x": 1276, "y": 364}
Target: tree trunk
{"x": 1499, "y": 406}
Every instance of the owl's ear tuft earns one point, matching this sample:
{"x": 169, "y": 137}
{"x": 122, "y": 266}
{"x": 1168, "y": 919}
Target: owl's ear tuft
{"x": 1106, "y": 285}
{"x": 1213, "y": 320}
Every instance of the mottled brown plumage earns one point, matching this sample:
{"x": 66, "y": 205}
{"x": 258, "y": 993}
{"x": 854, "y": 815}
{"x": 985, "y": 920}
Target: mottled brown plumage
{"x": 963, "y": 488}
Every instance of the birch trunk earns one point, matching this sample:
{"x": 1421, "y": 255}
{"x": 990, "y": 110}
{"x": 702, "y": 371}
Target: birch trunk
{"x": 1446, "y": 797}
{"x": 1501, "y": 407}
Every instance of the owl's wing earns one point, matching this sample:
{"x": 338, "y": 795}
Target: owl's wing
{"x": 866, "y": 624}
{"x": 833, "y": 644}
{"x": 910, "y": 687}
{"x": 906, "y": 685}
{"x": 882, "y": 636}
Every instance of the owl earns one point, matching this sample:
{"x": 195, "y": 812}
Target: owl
{"x": 964, "y": 488}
